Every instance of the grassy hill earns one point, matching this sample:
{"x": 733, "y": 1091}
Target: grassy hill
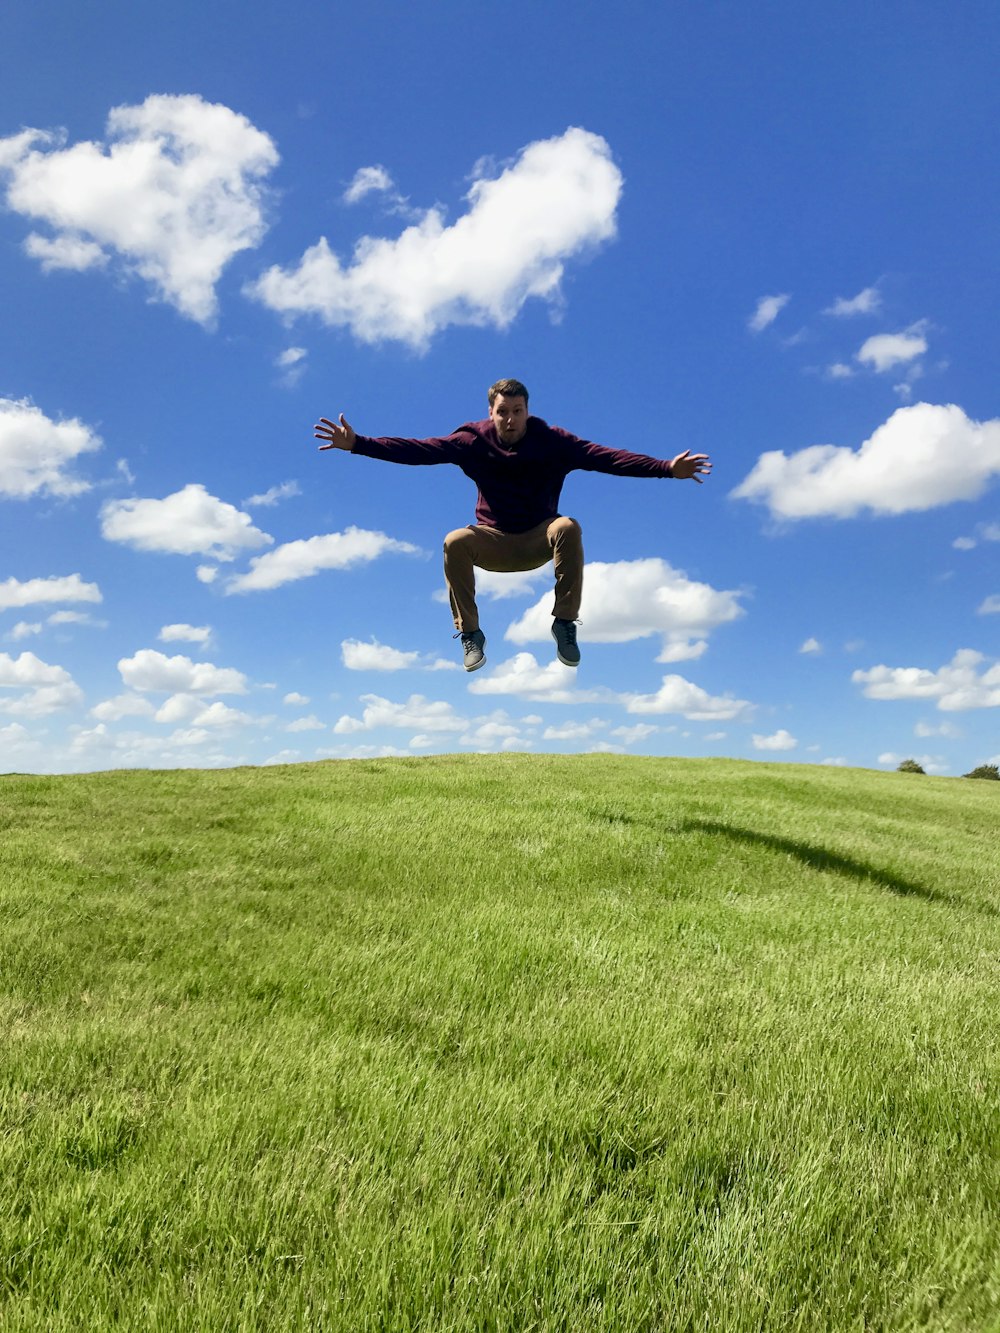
{"x": 500, "y": 1042}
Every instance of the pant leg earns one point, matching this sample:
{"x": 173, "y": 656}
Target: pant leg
{"x": 565, "y": 538}
{"x": 466, "y": 549}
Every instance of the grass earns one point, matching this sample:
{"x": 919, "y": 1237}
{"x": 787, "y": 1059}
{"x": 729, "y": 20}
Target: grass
{"x": 500, "y": 1043}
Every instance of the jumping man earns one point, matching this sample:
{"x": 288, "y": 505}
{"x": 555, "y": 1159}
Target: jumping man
{"x": 519, "y": 464}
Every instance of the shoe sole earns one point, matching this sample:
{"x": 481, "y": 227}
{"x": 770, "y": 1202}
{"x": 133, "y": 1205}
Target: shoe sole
{"x": 476, "y": 665}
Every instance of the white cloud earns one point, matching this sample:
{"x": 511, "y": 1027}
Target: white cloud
{"x": 677, "y": 695}
{"x": 24, "y": 629}
{"x": 521, "y": 675}
{"x": 922, "y": 457}
{"x": 781, "y": 740}
{"x": 368, "y": 180}
{"x": 925, "y": 729}
{"x": 867, "y": 302}
{"x": 218, "y": 714}
{"x": 66, "y": 251}
{"x": 837, "y": 761}
{"x": 557, "y": 200}
{"x": 418, "y": 714}
{"x": 47, "y": 688}
{"x": 573, "y": 731}
{"x": 189, "y": 522}
{"x": 74, "y": 618}
{"x": 640, "y": 732}
{"x": 175, "y": 192}
{"x": 990, "y": 606}
{"x": 294, "y": 698}
{"x": 271, "y": 497}
{"x": 811, "y": 646}
{"x": 292, "y": 362}
{"x": 206, "y": 573}
{"x": 987, "y": 532}
{"x": 123, "y": 705}
{"x": 302, "y": 559}
{"x": 885, "y": 351}
{"x": 375, "y": 656}
{"x": 185, "y": 634}
{"x": 768, "y": 310}
{"x": 631, "y": 599}
{"x": 66, "y": 588}
{"x": 955, "y": 687}
{"x": 150, "y": 670}
{"x": 839, "y": 371}
{"x": 310, "y": 723}
{"x": 36, "y": 452}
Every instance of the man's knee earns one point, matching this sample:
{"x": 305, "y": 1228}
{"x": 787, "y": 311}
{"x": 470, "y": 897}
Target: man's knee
{"x": 565, "y": 531}
{"x": 457, "y": 540}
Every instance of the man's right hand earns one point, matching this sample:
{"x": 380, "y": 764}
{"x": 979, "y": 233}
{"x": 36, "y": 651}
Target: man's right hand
{"x": 336, "y": 437}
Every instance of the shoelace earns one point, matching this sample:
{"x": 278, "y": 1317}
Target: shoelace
{"x": 569, "y": 629}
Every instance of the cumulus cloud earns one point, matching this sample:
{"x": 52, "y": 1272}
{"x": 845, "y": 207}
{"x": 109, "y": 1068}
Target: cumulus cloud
{"x": 185, "y": 634}
{"x": 310, "y": 723}
{"x": 122, "y": 705}
{"x": 885, "y": 351}
{"x": 677, "y": 695}
{"x": 36, "y": 453}
{"x": 149, "y": 670}
{"x": 522, "y": 675}
{"x": 909, "y": 464}
{"x": 555, "y": 201}
{"x": 64, "y": 588}
{"x": 954, "y": 687}
{"x": 811, "y": 646}
{"x": 781, "y": 740}
{"x": 302, "y": 559}
{"x": 632, "y": 599}
{"x": 189, "y": 522}
{"x": 867, "y": 302}
{"x": 175, "y": 191}
{"x": 768, "y": 310}
{"x": 417, "y": 714}
{"x": 47, "y": 688}
{"x": 990, "y": 606}
{"x": 375, "y": 656}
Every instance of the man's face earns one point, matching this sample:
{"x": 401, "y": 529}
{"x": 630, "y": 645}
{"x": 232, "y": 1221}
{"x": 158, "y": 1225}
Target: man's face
{"x": 510, "y": 416}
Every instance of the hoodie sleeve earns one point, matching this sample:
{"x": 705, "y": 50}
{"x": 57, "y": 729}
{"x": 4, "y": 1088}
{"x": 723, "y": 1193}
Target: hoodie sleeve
{"x": 585, "y": 456}
{"x": 415, "y": 453}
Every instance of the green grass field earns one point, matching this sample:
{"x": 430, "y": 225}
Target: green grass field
{"x": 500, "y": 1042}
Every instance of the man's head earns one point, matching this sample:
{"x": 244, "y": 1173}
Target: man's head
{"x": 509, "y": 410}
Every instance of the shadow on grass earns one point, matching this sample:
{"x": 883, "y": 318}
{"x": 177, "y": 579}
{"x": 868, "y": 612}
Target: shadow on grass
{"x": 818, "y": 858}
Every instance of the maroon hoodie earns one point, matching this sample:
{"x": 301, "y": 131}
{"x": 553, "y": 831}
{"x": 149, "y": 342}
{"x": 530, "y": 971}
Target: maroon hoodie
{"x": 519, "y": 485}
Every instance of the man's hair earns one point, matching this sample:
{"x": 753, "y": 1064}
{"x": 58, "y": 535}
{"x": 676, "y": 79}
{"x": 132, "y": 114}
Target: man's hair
{"x": 509, "y": 389}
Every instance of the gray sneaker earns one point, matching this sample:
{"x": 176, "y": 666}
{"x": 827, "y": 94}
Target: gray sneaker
{"x": 567, "y": 650}
{"x": 473, "y": 643}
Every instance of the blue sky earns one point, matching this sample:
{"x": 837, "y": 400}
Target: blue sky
{"x": 766, "y": 232}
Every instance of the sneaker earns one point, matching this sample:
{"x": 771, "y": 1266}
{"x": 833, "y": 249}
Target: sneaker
{"x": 567, "y": 650}
{"x": 473, "y": 643}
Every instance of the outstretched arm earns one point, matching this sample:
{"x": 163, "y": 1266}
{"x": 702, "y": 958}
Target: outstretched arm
{"x": 687, "y": 465}
{"x": 336, "y": 437}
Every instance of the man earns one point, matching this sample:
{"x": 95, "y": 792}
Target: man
{"x": 519, "y": 464}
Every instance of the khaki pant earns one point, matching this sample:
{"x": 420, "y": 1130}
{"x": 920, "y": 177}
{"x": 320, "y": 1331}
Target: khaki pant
{"x": 466, "y": 549}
